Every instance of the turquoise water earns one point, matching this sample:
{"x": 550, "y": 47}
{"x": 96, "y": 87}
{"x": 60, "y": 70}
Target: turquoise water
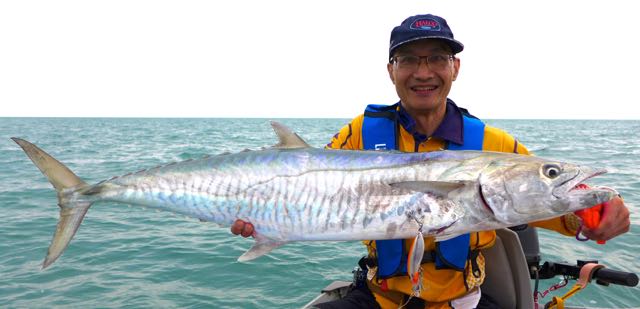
{"x": 133, "y": 257}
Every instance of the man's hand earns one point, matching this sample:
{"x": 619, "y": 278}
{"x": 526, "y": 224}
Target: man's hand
{"x": 615, "y": 221}
{"x": 246, "y": 229}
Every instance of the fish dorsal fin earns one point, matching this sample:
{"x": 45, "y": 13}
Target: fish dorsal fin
{"x": 287, "y": 138}
{"x": 439, "y": 188}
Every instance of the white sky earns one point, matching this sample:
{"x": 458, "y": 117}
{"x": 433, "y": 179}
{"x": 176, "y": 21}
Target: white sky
{"x": 275, "y": 59}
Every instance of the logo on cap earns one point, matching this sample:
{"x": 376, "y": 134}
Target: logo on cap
{"x": 426, "y": 24}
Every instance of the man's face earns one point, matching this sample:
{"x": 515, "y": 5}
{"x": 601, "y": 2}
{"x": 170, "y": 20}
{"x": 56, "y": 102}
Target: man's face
{"x": 423, "y": 88}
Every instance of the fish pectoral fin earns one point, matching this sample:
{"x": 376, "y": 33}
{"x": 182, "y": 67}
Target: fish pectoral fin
{"x": 260, "y": 248}
{"x": 439, "y": 188}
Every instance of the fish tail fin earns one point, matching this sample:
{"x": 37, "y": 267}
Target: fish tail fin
{"x": 65, "y": 182}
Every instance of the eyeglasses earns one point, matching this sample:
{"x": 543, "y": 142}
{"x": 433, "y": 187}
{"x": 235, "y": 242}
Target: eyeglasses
{"x": 412, "y": 63}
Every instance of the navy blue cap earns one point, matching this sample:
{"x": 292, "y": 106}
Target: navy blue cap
{"x": 421, "y": 27}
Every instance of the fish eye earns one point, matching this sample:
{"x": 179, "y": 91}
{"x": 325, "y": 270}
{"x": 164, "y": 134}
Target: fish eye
{"x": 551, "y": 170}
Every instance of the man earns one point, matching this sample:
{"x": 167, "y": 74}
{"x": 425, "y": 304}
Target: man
{"x": 423, "y": 66}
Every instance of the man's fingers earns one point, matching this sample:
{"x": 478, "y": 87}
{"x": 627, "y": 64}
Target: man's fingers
{"x": 615, "y": 221}
{"x": 243, "y": 228}
{"x": 247, "y": 230}
{"x": 237, "y": 227}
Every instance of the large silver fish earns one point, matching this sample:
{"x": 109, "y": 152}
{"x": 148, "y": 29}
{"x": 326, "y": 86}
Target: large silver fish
{"x": 292, "y": 192}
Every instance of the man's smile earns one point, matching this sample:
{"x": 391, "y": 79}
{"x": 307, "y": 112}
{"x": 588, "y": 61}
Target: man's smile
{"x": 424, "y": 89}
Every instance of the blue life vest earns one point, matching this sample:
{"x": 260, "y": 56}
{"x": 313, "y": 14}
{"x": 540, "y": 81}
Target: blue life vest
{"x": 380, "y": 131}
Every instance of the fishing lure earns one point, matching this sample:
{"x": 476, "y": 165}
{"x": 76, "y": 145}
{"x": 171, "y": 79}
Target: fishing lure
{"x": 414, "y": 267}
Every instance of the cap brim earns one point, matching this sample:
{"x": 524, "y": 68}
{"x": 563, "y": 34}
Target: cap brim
{"x": 455, "y": 45}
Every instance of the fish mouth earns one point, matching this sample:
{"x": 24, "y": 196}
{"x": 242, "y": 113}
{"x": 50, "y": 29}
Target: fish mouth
{"x": 576, "y": 184}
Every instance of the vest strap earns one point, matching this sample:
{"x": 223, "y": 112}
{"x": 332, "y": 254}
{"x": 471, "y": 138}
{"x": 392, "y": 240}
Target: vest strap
{"x": 472, "y": 135}
{"x": 448, "y": 253}
{"x": 379, "y": 132}
{"x": 379, "y": 121}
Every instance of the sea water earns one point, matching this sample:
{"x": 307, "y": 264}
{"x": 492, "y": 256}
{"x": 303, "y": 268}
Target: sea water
{"x": 133, "y": 257}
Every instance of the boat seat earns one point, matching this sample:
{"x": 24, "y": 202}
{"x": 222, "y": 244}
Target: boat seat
{"x": 507, "y": 275}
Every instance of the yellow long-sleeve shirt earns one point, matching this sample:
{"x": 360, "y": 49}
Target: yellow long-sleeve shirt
{"x": 440, "y": 286}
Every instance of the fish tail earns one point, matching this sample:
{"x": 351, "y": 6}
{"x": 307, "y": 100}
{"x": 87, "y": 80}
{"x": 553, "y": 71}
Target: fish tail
{"x": 65, "y": 182}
